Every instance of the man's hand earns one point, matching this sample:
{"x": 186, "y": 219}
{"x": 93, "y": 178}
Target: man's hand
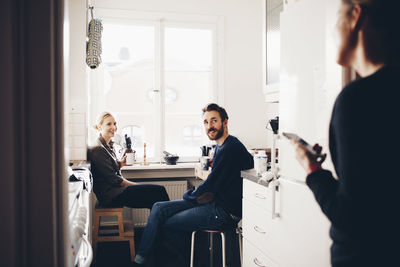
{"x": 205, "y": 198}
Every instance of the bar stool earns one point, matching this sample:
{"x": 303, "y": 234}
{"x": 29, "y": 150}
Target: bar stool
{"x": 124, "y": 233}
{"x": 211, "y": 234}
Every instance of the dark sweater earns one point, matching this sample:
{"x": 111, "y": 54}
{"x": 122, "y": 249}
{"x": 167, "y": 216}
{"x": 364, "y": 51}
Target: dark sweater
{"x": 224, "y": 181}
{"x": 363, "y": 203}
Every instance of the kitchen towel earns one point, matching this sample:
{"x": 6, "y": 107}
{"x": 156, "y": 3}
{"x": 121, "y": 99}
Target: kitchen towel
{"x": 93, "y": 45}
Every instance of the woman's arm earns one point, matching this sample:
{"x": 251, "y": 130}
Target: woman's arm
{"x": 127, "y": 182}
{"x": 104, "y": 166}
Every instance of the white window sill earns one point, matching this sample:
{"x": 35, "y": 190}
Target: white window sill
{"x": 158, "y": 166}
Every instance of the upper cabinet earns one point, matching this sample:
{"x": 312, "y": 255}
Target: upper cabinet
{"x": 271, "y": 44}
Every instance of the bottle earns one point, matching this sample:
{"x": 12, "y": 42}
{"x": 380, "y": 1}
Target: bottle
{"x": 129, "y": 152}
{"x": 260, "y": 162}
{"x": 145, "y": 163}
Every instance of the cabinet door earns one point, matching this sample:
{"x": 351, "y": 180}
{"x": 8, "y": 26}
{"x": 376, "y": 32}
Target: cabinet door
{"x": 257, "y": 194}
{"x": 259, "y": 228}
{"x": 253, "y": 257}
{"x": 310, "y": 79}
{"x": 299, "y": 236}
{"x": 302, "y": 228}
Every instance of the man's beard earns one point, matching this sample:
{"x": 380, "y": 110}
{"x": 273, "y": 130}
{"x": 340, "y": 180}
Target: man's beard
{"x": 220, "y": 133}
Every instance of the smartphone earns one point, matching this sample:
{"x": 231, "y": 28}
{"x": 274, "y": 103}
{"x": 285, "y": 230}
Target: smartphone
{"x": 295, "y": 137}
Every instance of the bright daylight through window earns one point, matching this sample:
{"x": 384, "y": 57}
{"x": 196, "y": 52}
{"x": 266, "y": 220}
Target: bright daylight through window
{"x": 156, "y": 96}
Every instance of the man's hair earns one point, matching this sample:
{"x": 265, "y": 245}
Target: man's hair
{"x": 215, "y": 107}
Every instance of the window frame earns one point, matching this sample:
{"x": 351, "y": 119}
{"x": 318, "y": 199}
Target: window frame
{"x": 160, "y": 21}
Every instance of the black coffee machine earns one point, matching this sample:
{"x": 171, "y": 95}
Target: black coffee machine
{"x": 274, "y": 124}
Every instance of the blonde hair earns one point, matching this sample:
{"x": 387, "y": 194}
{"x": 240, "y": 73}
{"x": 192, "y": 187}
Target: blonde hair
{"x": 100, "y": 119}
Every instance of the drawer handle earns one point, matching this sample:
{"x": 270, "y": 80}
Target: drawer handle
{"x": 258, "y": 263}
{"x": 258, "y": 229}
{"x": 275, "y": 211}
{"x": 259, "y": 196}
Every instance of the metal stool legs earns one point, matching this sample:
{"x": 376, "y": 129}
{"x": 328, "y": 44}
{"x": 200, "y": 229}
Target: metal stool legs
{"x": 240, "y": 237}
{"x": 211, "y": 233}
{"x": 192, "y": 248}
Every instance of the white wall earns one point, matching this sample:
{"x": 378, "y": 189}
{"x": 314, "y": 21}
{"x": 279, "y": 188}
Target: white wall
{"x": 242, "y": 74}
{"x": 78, "y": 93}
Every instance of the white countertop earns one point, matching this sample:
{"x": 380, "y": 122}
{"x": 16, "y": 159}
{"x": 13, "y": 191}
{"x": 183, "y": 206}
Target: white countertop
{"x": 162, "y": 166}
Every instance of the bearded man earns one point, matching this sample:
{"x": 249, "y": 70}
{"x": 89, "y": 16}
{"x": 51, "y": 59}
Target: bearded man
{"x": 216, "y": 204}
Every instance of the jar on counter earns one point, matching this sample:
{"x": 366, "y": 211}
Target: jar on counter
{"x": 260, "y": 162}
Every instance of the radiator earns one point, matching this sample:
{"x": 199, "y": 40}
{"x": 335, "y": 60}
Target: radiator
{"x": 175, "y": 190}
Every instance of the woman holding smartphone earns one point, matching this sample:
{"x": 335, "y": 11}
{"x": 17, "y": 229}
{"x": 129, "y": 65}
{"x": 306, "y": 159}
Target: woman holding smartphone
{"x": 363, "y": 201}
{"x": 110, "y": 187}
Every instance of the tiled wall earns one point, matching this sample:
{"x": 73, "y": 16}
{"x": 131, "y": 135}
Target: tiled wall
{"x": 77, "y": 136}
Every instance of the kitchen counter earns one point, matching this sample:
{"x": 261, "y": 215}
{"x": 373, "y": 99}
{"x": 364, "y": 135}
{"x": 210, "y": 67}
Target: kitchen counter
{"x": 252, "y": 176}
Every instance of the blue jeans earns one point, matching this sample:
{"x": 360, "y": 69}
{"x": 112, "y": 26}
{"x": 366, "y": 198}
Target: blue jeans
{"x": 178, "y": 218}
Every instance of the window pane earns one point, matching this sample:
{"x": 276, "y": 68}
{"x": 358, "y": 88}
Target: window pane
{"x": 274, "y": 8}
{"x": 128, "y": 59}
{"x": 189, "y": 87}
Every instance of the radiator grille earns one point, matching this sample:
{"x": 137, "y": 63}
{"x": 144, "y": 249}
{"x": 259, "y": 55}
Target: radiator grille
{"x": 175, "y": 190}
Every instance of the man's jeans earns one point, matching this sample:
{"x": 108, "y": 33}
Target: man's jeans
{"x": 177, "y": 218}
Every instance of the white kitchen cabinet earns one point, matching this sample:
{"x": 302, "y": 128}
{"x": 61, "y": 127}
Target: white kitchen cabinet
{"x": 298, "y": 237}
{"x": 254, "y": 257}
{"x": 310, "y": 78}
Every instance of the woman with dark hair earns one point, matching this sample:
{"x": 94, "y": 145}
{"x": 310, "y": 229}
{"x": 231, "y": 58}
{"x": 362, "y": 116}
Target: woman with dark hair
{"x": 363, "y": 140}
{"x": 110, "y": 187}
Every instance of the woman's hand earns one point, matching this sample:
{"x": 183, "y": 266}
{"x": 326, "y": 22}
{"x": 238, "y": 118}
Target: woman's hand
{"x": 122, "y": 163}
{"x": 306, "y": 159}
{"x": 127, "y": 182}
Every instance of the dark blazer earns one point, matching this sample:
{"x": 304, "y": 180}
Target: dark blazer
{"x": 106, "y": 172}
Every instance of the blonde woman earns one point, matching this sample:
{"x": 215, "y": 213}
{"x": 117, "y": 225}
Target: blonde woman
{"x": 110, "y": 187}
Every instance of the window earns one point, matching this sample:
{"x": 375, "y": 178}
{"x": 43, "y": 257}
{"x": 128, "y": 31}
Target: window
{"x": 155, "y": 77}
{"x": 274, "y": 8}
{"x": 189, "y": 69}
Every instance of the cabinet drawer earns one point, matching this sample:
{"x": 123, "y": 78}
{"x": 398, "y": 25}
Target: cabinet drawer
{"x": 253, "y": 257}
{"x": 258, "y": 194}
{"x": 259, "y": 228}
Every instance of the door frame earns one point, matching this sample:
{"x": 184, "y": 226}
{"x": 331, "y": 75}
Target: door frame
{"x": 33, "y": 186}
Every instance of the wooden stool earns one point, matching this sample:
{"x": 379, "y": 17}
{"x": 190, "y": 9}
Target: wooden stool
{"x": 125, "y": 229}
